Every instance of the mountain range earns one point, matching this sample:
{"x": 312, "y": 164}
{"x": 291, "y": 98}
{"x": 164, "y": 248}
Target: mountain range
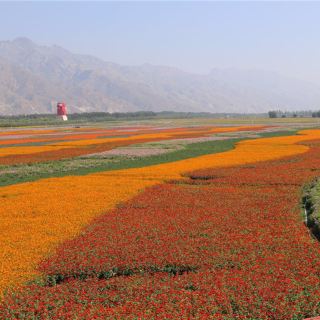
{"x": 34, "y": 77}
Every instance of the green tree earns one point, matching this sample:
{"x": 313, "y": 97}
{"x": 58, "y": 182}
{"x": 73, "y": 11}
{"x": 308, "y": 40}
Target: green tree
{"x": 272, "y": 114}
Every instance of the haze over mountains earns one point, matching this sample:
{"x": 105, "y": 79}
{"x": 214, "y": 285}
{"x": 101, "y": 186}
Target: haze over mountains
{"x": 33, "y": 78}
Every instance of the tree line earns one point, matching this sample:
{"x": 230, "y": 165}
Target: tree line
{"x": 293, "y": 114}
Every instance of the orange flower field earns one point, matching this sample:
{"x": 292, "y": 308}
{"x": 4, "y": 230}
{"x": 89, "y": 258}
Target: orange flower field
{"x": 86, "y": 144}
{"x": 70, "y": 134}
{"x": 37, "y": 216}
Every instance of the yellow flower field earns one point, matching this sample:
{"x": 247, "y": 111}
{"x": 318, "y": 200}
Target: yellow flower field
{"x": 35, "y": 217}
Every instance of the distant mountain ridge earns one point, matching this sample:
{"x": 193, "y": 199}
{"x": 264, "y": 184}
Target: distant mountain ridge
{"x": 33, "y": 78}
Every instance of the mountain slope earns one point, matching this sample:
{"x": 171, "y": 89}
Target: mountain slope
{"x": 33, "y": 78}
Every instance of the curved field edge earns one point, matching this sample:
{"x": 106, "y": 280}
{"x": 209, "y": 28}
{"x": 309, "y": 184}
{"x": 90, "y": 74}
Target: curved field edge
{"x": 61, "y": 168}
{"x": 185, "y": 250}
{"x": 37, "y": 216}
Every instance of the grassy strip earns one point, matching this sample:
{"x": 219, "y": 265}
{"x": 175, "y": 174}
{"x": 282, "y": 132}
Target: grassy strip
{"x": 311, "y": 204}
{"x": 81, "y": 166}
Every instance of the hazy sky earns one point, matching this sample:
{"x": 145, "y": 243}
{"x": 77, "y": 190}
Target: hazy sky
{"x": 194, "y": 36}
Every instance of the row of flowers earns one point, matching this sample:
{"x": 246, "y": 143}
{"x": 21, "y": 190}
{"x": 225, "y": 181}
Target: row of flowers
{"x": 44, "y": 136}
{"x": 223, "y": 243}
{"x": 77, "y": 145}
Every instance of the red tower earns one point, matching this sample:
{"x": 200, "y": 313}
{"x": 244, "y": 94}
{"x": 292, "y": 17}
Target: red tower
{"x": 62, "y": 111}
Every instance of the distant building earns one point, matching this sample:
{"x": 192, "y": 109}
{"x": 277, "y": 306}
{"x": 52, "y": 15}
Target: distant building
{"x": 62, "y": 111}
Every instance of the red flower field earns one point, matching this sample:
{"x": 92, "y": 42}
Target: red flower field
{"x": 225, "y": 243}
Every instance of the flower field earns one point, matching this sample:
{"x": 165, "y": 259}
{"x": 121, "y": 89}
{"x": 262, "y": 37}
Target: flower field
{"x": 214, "y": 237}
{"x": 51, "y": 148}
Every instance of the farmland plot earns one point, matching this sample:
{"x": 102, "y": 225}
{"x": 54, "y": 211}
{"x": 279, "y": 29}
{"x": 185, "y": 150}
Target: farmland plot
{"x": 205, "y": 239}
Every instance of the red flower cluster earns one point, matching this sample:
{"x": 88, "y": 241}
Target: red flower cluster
{"x": 225, "y": 243}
